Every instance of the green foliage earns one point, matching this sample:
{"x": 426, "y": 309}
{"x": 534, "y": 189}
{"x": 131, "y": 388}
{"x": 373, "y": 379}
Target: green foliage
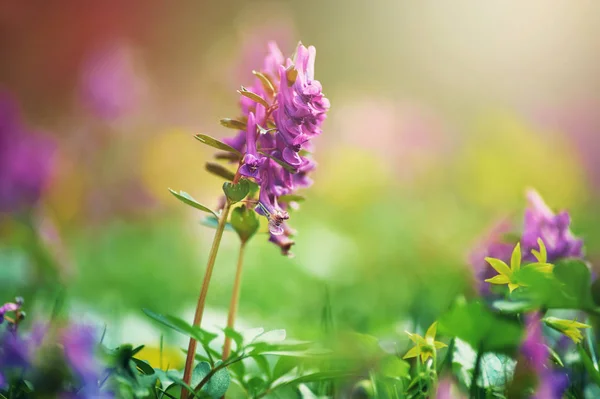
{"x": 233, "y": 124}
{"x": 481, "y": 328}
{"x": 568, "y": 287}
{"x": 212, "y": 142}
{"x": 253, "y": 96}
{"x": 245, "y": 222}
{"x": 187, "y": 199}
{"x": 281, "y": 163}
{"x": 236, "y": 192}
{"x": 266, "y": 82}
{"x": 219, "y": 170}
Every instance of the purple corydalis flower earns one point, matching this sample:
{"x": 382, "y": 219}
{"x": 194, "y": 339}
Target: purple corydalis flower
{"x": 284, "y": 240}
{"x": 25, "y": 160}
{"x": 553, "y": 229}
{"x": 251, "y": 162}
{"x": 302, "y": 106}
{"x": 278, "y": 132}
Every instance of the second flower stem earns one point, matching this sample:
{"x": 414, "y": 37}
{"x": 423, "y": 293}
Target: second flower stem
{"x": 235, "y": 299}
{"x": 189, "y": 361}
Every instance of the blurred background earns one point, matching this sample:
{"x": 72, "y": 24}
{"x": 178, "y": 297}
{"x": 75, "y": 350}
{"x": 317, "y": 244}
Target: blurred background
{"x": 442, "y": 115}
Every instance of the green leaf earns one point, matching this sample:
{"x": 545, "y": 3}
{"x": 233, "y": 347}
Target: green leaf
{"x": 213, "y": 222}
{"x": 181, "y": 326}
{"x": 394, "y": 367}
{"x": 245, "y": 222}
{"x": 212, "y": 142}
{"x": 281, "y": 163}
{"x": 568, "y": 287}
{"x": 217, "y": 384}
{"x": 256, "y": 386}
{"x": 263, "y": 365}
{"x": 143, "y": 366}
{"x": 187, "y": 199}
{"x": 512, "y": 307}
{"x": 266, "y": 82}
{"x": 253, "y": 96}
{"x": 219, "y": 170}
{"x": 233, "y": 124}
{"x": 228, "y": 156}
{"x": 474, "y": 323}
{"x": 284, "y": 365}
{"x": 236, "y": 192}
{"x": 235, "y": 336}
{"x": 496, "y": 369}
{"x": 290, "y": 198}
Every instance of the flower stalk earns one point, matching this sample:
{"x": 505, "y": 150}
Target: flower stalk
{"x": 235, "y": 299}
{"x": 189, "y": 361}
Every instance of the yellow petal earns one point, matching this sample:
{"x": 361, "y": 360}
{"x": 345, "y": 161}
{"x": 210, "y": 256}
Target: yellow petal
{"x": 542, "y": 267}
{"x": 425, "y": 356}
{"x": 499, "y": 266}
{"x": 512, "y": 287}
{"x": 439, "y": 345}
{"x": 515, "y": 259}
{"x": 431, "y": 331}
{"x": 576, "y": 324}
{"x": 574, "y": 334}
{"x": 499, "y": 279}
{"x": 414, "y": 352}
{"x": 542, "y": 254}
{"x": 414, "y": 337}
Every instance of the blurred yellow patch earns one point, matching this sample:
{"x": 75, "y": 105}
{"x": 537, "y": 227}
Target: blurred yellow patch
{"x": 350, "y": 176}
{"x": 66, "y": 190}
{"x": 171, "y": 357}
{"x": 174, "y": 159}
{"x": 504, "y": 155}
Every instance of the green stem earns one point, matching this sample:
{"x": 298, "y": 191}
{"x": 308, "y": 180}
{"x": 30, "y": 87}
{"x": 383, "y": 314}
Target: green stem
{"x": 589, "y": 366}
{"x": 235, "y": 299}
{"x": 590, "y": 343}
{"x": 476, "y": 373}
{"x": 448, "y": 358}
{"x": 189, "y": 361}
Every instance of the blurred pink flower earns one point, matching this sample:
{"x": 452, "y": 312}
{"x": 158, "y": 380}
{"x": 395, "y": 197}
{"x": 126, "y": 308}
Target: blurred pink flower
{"x": 410, "y": 139}
{"x": 580, "y": 123}
{"x": 111, "y": 86}
{"x": 26, "y": 159}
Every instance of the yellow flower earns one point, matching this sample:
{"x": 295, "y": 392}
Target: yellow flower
{"x": 424, "y": 346}
{"x": 542, "y": 258}
{"x": 507, "y": 275}
{"x": 568, "y": 327}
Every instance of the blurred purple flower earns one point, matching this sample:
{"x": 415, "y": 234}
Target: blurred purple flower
{"x": 110, "y": 84}
{"x": 446, "y": 389}
{"x": 18, "y": 351}
{"x": 494, "y": 245}
{"x": 80, "y": 342}
{"x": 541, "y": 222}
{"x": 25, "y": 160}
{"x": 534, "y": 347}
{"x": 551, "y": 385}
